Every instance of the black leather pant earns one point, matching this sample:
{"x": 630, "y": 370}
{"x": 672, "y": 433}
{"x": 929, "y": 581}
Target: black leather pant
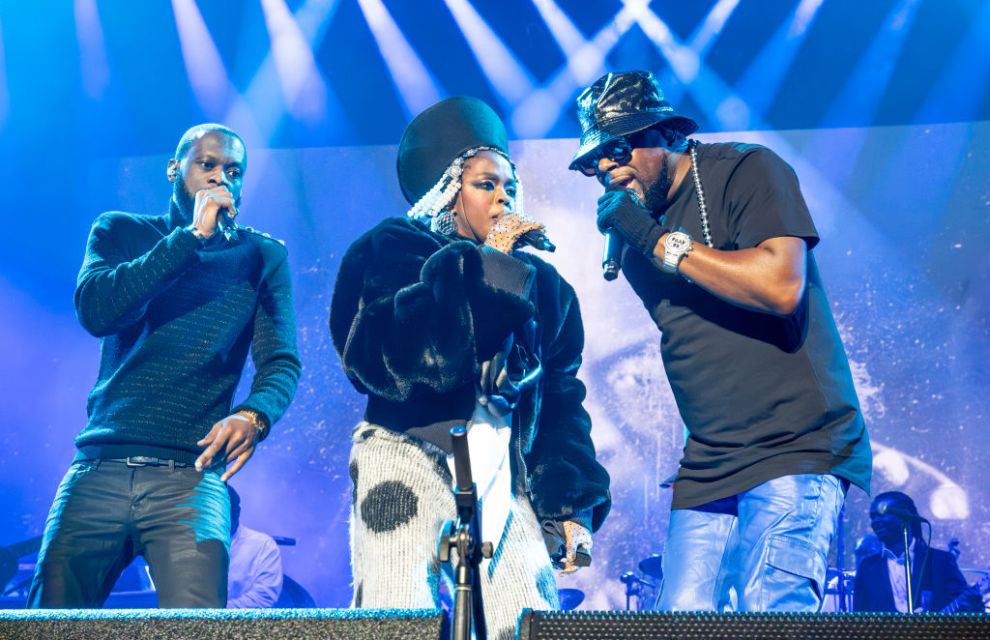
{"x": 106, "y": 513}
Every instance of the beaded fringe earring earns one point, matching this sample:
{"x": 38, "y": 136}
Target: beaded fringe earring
{"x": 440, "y": 196}
{"x": 443, "y": 223}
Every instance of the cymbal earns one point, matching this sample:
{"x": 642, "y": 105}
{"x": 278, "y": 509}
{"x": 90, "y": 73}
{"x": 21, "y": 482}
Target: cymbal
{"x": 651, "y": 566}
{"x": 570, "y": 598}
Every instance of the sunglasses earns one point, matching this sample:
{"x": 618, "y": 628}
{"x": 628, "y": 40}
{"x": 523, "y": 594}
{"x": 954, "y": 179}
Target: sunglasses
{"x": 618, "y": 150}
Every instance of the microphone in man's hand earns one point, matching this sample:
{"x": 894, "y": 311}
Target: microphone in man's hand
{"x": 612, "y": 253}
{"x": 612, "y": 256}
{"x": 885, "y": 509}
{"x": 538, "y": 240}
{"x": 226, "y": 225}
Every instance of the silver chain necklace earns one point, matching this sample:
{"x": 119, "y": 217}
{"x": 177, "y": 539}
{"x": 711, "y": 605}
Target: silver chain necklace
{"x": 702, "y": 207}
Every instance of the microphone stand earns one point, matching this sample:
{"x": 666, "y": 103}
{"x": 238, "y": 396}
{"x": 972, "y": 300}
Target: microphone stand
{"x": 464, "y": 536}
{"x": 634, "y": 588}
{"x": 907, "y": 569}
{"x": 840, "y": 554}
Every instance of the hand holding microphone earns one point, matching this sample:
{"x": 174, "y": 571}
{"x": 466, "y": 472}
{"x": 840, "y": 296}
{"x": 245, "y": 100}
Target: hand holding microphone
{"x": 622, "y": 210}
{"x": 515, "y": 229}
{"x": 226, "y": 224}
{"x": 214, "y": 210}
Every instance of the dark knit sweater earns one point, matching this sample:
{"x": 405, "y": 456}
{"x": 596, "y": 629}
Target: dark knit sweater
{"x": 177, "y": 317}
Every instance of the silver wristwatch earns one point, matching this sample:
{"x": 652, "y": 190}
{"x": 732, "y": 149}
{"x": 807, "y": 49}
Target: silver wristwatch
{"x": 676, "y": 245}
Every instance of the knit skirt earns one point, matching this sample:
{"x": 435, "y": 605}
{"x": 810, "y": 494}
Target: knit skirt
{"x": 401, "y": 498}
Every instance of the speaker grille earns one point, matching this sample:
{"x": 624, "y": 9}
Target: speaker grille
{"x": 654, "y": 625}
{"x": 222, "y": 624}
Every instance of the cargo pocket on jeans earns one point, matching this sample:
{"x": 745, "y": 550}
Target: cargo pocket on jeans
{"x": 793, "y": 575}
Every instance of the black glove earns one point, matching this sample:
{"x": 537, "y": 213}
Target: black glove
{"x": 623, "y": 211}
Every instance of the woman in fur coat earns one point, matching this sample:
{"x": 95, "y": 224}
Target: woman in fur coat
{"x": 440, "y": 321}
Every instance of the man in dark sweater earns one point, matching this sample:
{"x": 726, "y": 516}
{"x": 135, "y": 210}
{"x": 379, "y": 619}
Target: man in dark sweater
{"x": 718, "y": 247}
{"x": 178, "y": 300}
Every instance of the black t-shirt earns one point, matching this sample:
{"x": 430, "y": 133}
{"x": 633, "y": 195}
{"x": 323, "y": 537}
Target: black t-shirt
{"x": 762, "y": 396}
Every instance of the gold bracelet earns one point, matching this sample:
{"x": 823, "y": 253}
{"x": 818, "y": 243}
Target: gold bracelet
{"x": 257, "y": 421}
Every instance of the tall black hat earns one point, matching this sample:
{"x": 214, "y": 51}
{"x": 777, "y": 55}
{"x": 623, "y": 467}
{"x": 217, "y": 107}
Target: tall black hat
{"x": 441, "y": 133}
{"x": 618, "y": 104}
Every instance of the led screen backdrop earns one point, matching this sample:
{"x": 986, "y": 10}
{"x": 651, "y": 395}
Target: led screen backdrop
{"x": 904, "y": 215}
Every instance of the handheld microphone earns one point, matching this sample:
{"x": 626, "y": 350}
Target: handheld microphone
{"x": 612, "y": 255}
{"x": 226, "y": 225}
{"x": 885, "y": 509}
{"x": 538, "y": 240}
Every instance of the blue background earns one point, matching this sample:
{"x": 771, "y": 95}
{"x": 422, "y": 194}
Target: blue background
{"x": 881, "y": 107}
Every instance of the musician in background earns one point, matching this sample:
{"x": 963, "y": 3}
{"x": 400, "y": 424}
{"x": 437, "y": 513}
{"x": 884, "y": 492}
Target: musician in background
{"x": 254, "y": 578}
{"x": 937, "y": 584}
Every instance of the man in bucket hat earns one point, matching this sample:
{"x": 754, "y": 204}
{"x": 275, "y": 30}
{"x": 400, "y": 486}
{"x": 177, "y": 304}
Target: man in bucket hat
{"x": 717, "y": 241}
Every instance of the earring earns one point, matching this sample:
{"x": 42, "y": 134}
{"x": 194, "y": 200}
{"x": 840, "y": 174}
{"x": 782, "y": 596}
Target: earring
{"x": 443, "y": 223}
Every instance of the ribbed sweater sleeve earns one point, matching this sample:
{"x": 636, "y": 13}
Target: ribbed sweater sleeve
{"x": 273, "y": 346}
{"x": 114, "y": 288}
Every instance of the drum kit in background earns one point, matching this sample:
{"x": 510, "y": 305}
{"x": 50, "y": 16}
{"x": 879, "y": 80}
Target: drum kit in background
{"x": 641, "y": 587}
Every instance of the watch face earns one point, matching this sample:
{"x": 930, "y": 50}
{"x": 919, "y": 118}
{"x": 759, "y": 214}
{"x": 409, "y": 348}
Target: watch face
{"x": 677, "y": 242}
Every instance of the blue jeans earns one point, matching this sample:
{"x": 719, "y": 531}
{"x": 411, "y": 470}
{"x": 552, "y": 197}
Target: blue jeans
{"x": 765, "y": 549}
{"x": 106, "y": 513}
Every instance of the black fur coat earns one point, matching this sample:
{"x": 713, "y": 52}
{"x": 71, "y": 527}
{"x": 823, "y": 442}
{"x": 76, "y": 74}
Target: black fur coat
{"x": 413, "y": 318}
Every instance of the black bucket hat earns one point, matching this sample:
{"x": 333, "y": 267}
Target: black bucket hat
{"x": 618, "y": 104}
{"x": 441, "y": 133}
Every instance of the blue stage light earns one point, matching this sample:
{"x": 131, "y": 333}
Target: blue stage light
{"x": 511, "y": 81}
{"x": 863, "y": 89}
{"x": 713, "y": 96}
{"x": 862, "y": 92}
{"x": 701, "y": 41}
{"x": 537, "y": 113}
{"x": 302, "y": 84}
{"x": 416, "y": 85}
{"x": 4, "y": 95}
{"x": 762, "y": 80}
{"x": 92, "y": 49}
{"x": 207, "y": 75}
{"x": 963, "y": 85}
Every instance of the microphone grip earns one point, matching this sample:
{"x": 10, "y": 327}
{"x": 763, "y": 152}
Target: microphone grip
{"x": 538, "y": 240}
{"x": 612, "y": 256}
{"x": 226, "y": 225}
